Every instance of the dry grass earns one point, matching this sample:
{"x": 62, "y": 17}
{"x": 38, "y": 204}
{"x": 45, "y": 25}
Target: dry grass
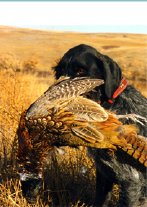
{"x": 10, "y": 195}
{"x": 26, "y": 57}
{"x": 65, "y": 174}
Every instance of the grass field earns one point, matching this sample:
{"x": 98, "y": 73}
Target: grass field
{"x": 26, "y": 59}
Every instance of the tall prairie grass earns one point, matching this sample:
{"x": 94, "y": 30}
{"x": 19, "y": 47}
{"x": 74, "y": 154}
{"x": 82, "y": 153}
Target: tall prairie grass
{"x": 69, "y": 176}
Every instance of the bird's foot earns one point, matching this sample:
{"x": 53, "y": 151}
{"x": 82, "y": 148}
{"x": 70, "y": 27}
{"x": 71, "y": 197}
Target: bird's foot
{"x": 133, "y": 117}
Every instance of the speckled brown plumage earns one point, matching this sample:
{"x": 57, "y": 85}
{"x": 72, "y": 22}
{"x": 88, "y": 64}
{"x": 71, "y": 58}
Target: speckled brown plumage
{"x": 138, "y": 147}
{"x": 61, "y": 117}
{"x": 48, "y": 122}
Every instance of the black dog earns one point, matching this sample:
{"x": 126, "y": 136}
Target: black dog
{"x": 123, "y": 99}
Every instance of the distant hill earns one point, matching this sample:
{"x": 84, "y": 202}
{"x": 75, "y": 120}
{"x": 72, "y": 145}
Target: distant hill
{"x": 44, "y": 48}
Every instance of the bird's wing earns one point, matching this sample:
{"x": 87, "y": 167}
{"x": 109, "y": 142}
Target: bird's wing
{"x": 61, "y": 90}
{"x": 87, "y": 110}
{"x": 88, "y": 133}
{"x": 91, "y": 136}
{"x": 67, "y": 88}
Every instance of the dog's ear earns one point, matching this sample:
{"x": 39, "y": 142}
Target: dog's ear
{"x": 59, "y": 69}
{"x": 112, "y": 76}
{"x": 58, "y": 72}
{"x": 62, "y": 67}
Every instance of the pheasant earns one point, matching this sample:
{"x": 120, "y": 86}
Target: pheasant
{"x": 62, "y": 117}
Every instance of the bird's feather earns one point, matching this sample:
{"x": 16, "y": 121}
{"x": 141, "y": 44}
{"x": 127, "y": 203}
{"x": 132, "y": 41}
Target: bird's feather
{"x": 61, "y": 116}
{"x": 88, "y": 134}
{"x": 61, "y": 90}
{"x": 88, "y": 110}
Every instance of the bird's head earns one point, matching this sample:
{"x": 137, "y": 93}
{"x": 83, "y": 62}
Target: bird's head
{"x": 29, "y": 161}
{"x": 31, "y": 185}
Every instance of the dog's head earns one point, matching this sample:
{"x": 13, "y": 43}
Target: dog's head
{"x": 84, "y": 60}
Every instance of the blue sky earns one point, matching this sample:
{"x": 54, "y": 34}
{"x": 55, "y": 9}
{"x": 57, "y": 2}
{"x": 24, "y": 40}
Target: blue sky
{"x": 129, "y": 17}
{"x": 138, "y": 29}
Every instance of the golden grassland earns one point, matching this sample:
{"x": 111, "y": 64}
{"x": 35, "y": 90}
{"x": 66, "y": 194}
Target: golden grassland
{"x": 67, "y": 173}
{"x": 26, "y": 58}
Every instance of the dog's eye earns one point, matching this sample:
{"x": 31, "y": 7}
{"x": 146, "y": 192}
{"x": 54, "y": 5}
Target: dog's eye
{"x": 80, "y": 72}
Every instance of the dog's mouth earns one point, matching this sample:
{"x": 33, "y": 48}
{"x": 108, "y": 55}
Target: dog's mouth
{"x": 81, "y": 73}
{"x": 94, "y": 95}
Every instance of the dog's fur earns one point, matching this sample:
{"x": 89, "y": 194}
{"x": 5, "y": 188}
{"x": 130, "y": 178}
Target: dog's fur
{"x": 120, "y": 169}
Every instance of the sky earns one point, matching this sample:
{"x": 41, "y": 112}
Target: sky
{"x": 128, "y": 17}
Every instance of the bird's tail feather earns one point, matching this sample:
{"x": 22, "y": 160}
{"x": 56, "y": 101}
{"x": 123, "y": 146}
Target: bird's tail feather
{"x": 136, "y": 145}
